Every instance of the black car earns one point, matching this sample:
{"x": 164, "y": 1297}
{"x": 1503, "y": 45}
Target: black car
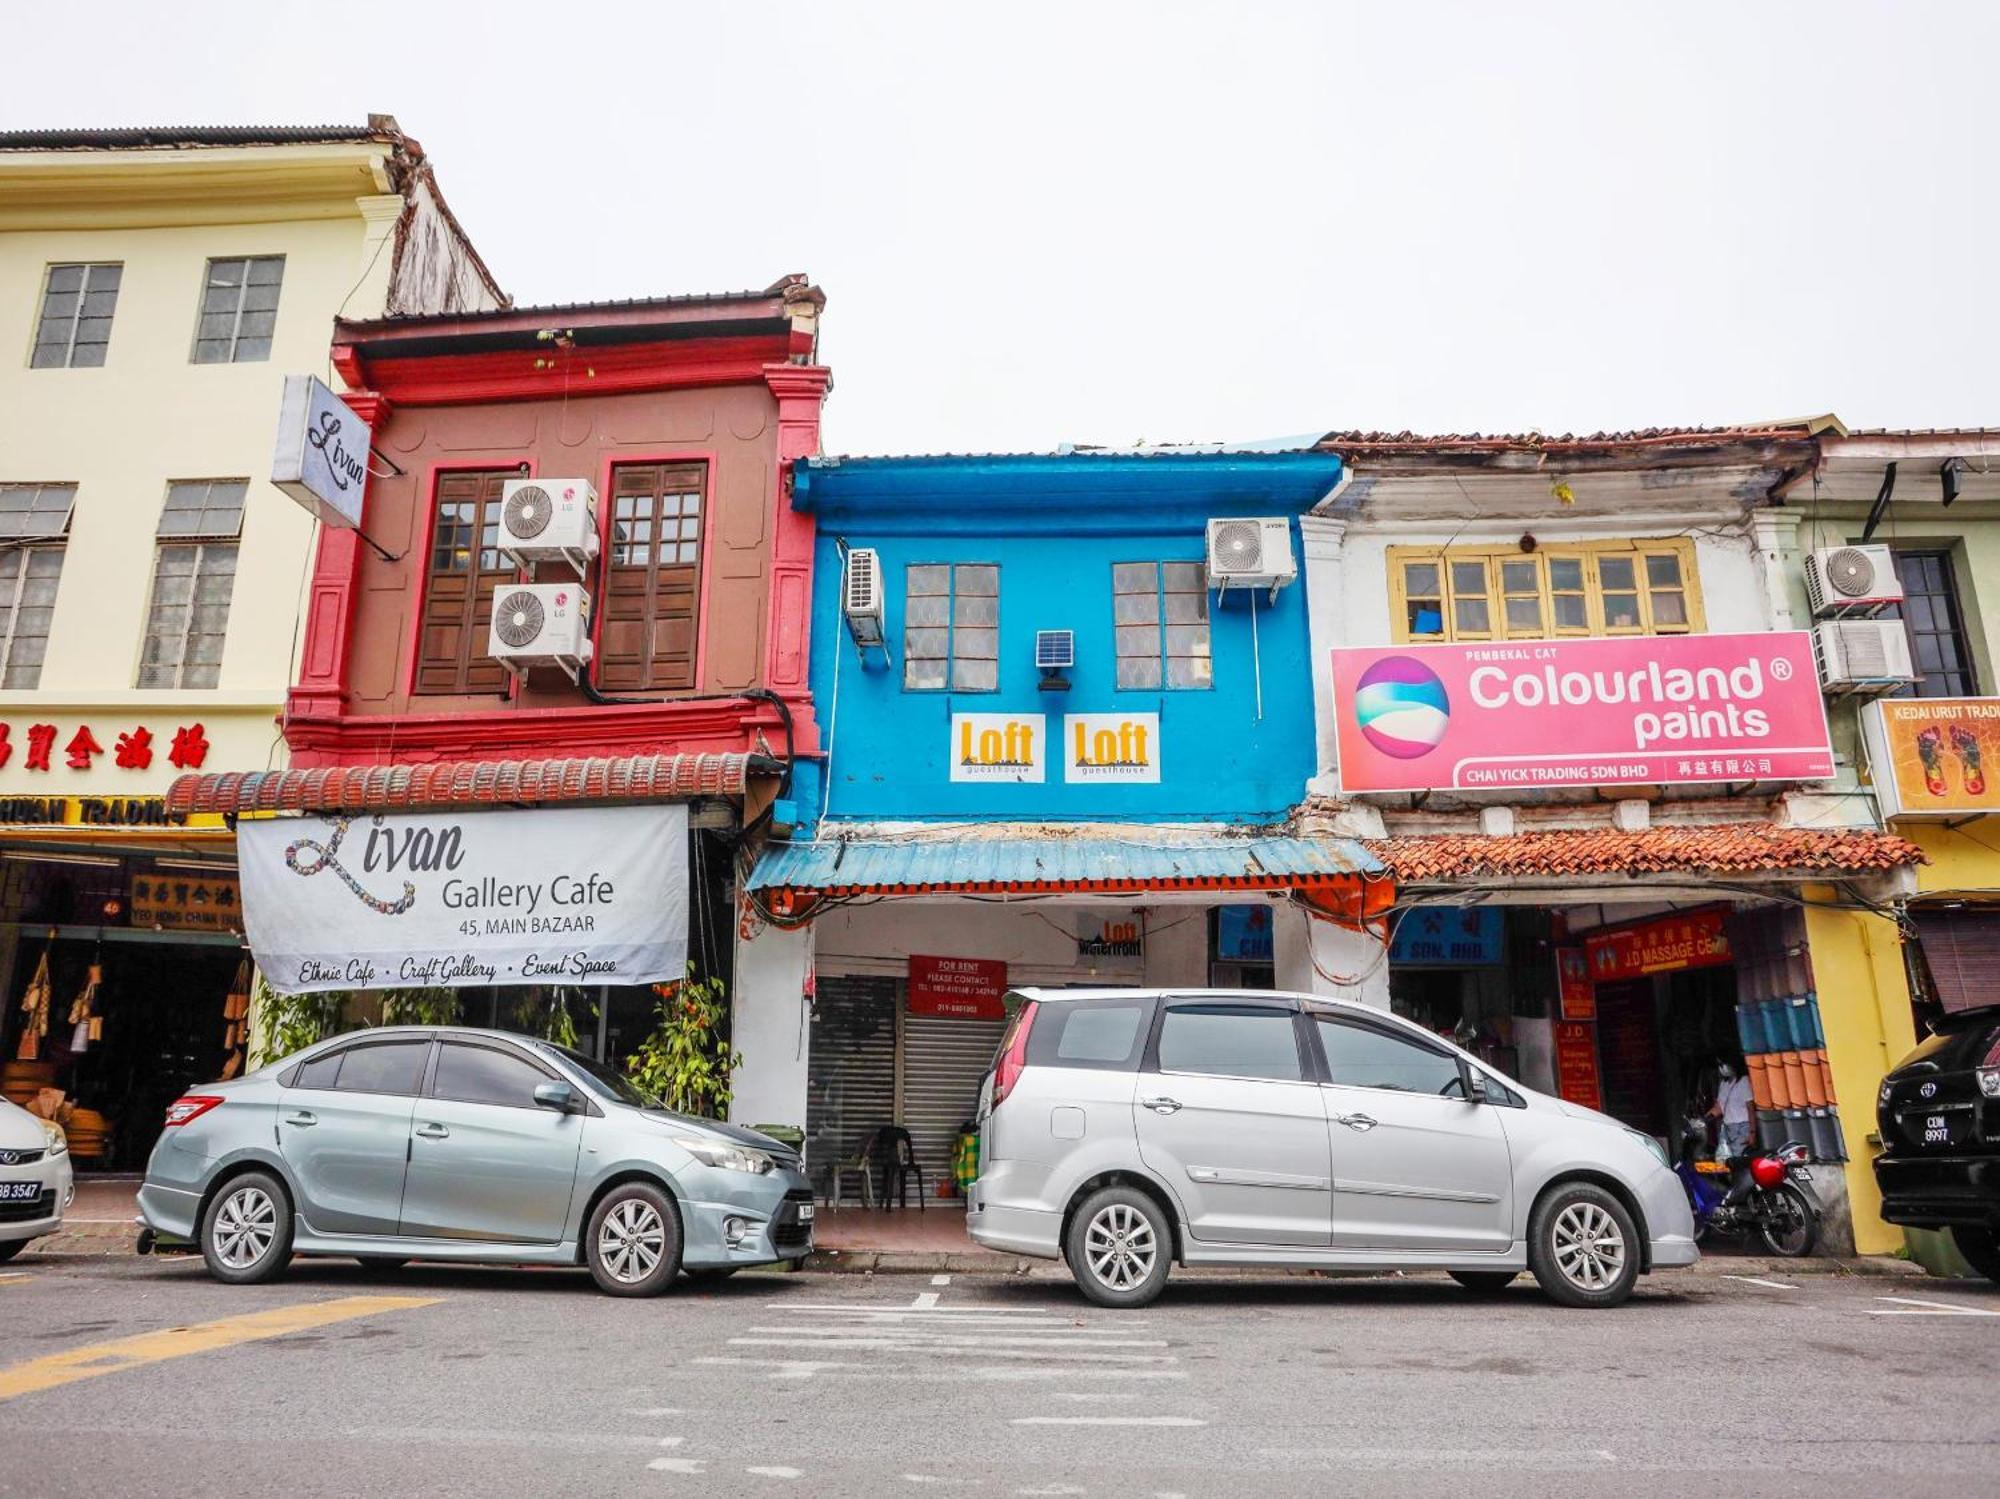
{"x": 1939, "y": 1114}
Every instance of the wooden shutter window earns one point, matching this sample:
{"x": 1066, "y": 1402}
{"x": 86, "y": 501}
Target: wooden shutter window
{"x": 652, "y": 578}
{"x": 466, "y": 566}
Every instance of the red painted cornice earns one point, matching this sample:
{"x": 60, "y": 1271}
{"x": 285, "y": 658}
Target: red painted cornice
{"x": 549, "y": 374}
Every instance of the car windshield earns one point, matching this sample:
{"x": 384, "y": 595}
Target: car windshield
{"x": 604, "y": 1080}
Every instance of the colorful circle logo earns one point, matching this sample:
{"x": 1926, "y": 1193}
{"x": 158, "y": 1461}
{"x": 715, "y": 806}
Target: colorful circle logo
{"x": 1401, "y": 707}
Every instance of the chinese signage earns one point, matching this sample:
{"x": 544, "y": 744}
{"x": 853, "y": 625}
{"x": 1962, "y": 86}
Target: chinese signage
{"x": 1576, "y": 1063}
{"x": 1698, "y": 939}
{"x": 60, "y": 748}
{"x": 1934, "y": 756}
{"x": 184, "y": 903}
{"x": 1243, "y": 934}
{"x": 1516, "y": 715}
{"x": 571, "y": 895}
{"x": 321, "y": 457}
{"x": 958, "y": 988}
{"x": 1449, "y": 937}
{"x": 999, "y": 747}
{"x": 1574, "y": 985}
{"x": 1111, "y": 747}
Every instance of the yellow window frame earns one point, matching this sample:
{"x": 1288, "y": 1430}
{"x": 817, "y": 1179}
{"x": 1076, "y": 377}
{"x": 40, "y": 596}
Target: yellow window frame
{"x": 1491, "y": 561}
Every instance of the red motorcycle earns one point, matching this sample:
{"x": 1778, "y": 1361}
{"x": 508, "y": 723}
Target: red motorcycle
{"x": 1769, "y": 1195}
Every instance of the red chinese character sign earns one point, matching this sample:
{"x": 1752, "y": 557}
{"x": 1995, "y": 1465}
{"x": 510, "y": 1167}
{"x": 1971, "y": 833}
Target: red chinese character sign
{"x": 1574, "y": 984}
{"x": 133, "y": 748}
{"x": 1698, "y": 939}
{"x": 958, "y": 988}
{"x": 1576, "y": 1063}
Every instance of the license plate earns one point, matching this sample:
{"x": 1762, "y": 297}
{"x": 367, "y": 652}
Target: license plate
{"x": 806, "y": 1212}
{"x": 1802, "y": 1173}
{"x": 20, "y": 1191}
{"x": 1937, "y": 1130}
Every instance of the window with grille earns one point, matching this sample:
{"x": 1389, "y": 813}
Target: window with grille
{"x": 466, "y": 566}
{"x": 34, "y": 523}
{"x": 1936, "y": 624}
{"x": 239, "y": 310}
{"x": 1503, "y": 593}
{"x": 951, "y": 627}
{"x": 194, "y": 574}
{"x": 75, "y": 326}
{"x": 1160, "y": 612}
{"x": 651, "y": 607}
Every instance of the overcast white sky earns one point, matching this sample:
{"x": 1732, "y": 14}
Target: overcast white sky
{"x": 1094, "y": 222}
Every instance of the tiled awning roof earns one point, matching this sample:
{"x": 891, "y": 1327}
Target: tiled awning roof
{"x": 1045, "y": 859}
{"x": 458, "y": 783}
{"x": 1732, "y": 848}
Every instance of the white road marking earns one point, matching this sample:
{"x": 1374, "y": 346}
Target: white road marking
{"x": 679, "y": 1465}
{"x": 1082, "y": 1395}
{"x": 1929, "y": 1309}
{"x": 940, "y": 1280}
{"x": 777, "y": 1472}
{"x": 935, "y": 1478}
{"x": 1106, "y": 1421}
{"x": 880, "y": 1310}
{"x": 787, "y": 1368}
{"x": 968, "y": 1348}
{"x": 1769, "y": 1285}
{"x": 656, "y": 1410}
{"x": 1086, "y": 1338}
{"x": 1055, "y": 1490}
{"x": 672, "y": 1441}
{"x": 926, "y": 1300}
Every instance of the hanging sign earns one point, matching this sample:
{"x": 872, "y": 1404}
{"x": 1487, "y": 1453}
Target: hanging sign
{"x": 1576, "y": 1063}
{"x": 1450, "y": 937}
{"x": 958, "y": 988}
{"x": 1112, "y": 747}
{"x": 1113, "y": 940}
{"x": 1694, "y": 939}
{"x": 321, "y": 456}
{"x": 177, "y": 902}
{"x": 1518, "y": 715}
{"x": 1574, "y": 985}
{"x": 999, "y": 747}
{"x": 1243, "y": 934}
{"x": 1934, "y": 756}
{"x": 568, "y": 895}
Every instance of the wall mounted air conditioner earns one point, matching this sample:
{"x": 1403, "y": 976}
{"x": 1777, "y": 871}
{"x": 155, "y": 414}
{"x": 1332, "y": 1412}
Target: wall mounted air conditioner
{"x": 1055, "y": 655}
{"x": 1862, "y": 655}
{"x": 1851, "y": 580}
{"x": 540, "y": 624}
{"x": 861, "y": 595}
{"x": 548, "y": 520}
{"x": 1250, "y": 552}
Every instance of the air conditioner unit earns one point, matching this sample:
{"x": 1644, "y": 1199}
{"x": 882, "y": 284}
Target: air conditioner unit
{"x": 1862, "y": 655}
{"x": 861, "y": 595}
{"x": 1250, "y": 552}
{"x": 546, "y": 520}
{"x": 1846, "y": 580}
{"x": 540, "y": 624}
{"x": 1055, "y": 653}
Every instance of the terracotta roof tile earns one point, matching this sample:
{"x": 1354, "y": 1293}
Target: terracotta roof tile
{"x": 1734, "y": 848}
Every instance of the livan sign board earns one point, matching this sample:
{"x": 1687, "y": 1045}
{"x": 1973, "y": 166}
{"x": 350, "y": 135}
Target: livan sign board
{"x": 1699, "y": 939}
{"x": 1519, "y": 715}
{"x": 958, "y": 988}
{"x": 572, "y": 895}
{"x": 321, "y": 456}
{"x": 1934, "y": 756}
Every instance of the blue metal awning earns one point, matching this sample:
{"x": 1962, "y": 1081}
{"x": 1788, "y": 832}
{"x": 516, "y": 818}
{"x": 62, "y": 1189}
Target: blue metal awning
{"x": 1010, "y": 858}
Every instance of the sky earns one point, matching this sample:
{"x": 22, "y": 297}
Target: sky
{"x": 1095, "y": 222}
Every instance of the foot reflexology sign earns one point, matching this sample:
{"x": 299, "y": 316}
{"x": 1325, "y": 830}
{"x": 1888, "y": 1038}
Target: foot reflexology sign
{"x": 1934, "y": 756}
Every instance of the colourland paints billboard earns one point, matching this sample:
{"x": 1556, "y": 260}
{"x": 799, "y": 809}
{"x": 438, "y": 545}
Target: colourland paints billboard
{"x": 1528, "y": 714}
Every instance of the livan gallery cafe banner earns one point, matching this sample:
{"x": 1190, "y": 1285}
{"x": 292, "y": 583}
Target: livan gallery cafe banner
{"x": 1522, "y": 714}
{"x": 589, "y": 895}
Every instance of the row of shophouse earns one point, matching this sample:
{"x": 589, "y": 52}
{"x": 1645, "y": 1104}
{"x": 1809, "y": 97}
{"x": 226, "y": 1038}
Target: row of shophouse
{"x": 1610, "y": 756}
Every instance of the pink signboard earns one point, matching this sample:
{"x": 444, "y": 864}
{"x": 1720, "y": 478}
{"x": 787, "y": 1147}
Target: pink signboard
{"x": 1522, "y": 714}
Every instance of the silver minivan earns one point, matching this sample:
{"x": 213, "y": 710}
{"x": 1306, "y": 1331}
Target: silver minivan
{"x": 1123, "y": 1130}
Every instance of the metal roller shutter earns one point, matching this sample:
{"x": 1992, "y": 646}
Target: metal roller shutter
{"x": 851, "y": 1070}
{"x": 943, "y": 1063}
{"x": 1962, "y": 951}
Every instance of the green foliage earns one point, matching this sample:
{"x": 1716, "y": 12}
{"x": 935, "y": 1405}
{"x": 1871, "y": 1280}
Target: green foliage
{"x": 685, "y": 1062}
{"x": 296, "y": 1021}
{"x": 547, "y": 1013}
{"x": 420, "y": 1006}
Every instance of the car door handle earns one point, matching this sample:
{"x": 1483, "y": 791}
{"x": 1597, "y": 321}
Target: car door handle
{"x": 302, "y": 1117}
{"x": 1161, "y": 1105}
{"x": 432, "y": 1132}
{"x": 1359, "y": 1122}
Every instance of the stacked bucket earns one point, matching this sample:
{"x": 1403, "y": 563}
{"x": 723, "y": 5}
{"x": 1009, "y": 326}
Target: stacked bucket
{"x": 1784, "y": 1043}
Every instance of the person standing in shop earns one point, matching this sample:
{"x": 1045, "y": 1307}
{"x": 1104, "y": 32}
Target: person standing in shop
{"x": 1732, "y": 1109}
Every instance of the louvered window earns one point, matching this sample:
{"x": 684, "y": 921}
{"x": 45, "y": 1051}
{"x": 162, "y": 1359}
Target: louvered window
{"x": 652, "y": 577}
{"x": 466, "y": 566}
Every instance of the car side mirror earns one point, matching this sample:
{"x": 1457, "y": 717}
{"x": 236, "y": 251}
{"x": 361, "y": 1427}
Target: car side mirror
{"x": 558, "y": 1096}
{"x": 1469, "y": 1083}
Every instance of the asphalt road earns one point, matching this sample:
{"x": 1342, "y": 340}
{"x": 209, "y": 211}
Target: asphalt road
{"x": 130, "y": 1376}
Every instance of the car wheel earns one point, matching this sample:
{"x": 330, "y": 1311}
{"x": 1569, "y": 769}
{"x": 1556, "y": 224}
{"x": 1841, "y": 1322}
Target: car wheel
{"x": 634, "y": 1241}
{"x": 1582, "y": 1246}
{"x": 382, "y": 1261}
{"x": 1980, "y": 1248}
{"x": 10, "y": 1248}
{"x": 1485, "y": 1282}
{"x": 1119, "y": 1247}
{"x": 710, "y": 1272}
{"x": 246, "y": 1234}
{"x": 1790, "y": 1228}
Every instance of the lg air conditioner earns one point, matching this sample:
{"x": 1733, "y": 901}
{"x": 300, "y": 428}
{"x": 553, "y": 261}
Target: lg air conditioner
{"x": 1250, "y": 552}
{"x": 861, "y": 595}
{"x": 548, "y": 520}
{"x": 1862, "y": 655}
{"x": 541, "y": 624}
{"x": 1851, "y": 580}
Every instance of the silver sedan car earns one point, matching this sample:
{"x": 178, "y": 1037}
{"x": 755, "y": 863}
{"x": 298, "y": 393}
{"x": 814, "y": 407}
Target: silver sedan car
{"x": 448, "y": 1143}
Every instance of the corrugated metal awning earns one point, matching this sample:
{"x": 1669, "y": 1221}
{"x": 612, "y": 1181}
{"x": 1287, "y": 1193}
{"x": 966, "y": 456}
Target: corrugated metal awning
{"x": 459, "y": 783}
{"x": 1008, "y": 858}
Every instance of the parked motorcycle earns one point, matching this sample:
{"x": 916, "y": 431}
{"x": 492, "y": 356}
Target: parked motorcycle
{"x": 1769, "y": 1195}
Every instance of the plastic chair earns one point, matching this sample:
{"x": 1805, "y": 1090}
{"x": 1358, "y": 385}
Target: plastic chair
{"x": 895, "y": 1158}
{"x": 860, "y": 1164}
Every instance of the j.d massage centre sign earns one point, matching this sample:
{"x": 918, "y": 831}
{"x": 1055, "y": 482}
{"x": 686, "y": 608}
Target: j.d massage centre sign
{"x": 574, "y": 895}
{"x": 1522, "y": 715}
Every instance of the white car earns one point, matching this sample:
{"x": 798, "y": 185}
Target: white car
{"x": 35, "y": 1180}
